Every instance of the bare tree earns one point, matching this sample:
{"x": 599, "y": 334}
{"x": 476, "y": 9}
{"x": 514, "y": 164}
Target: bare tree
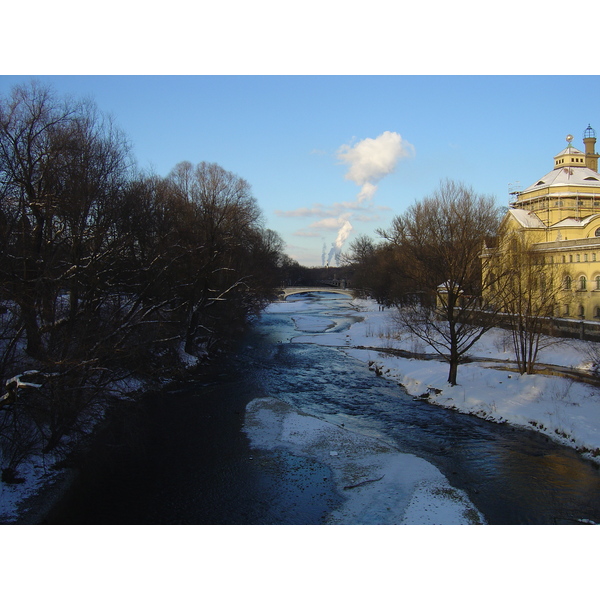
{"x": 528, "y": 294}
{"x": 62, "y": 167}
{"x": 440, "y": 240}
{"x": 225, "y": 215}
{"x": 31, "y": 125}
{"x": 105, "y": 272}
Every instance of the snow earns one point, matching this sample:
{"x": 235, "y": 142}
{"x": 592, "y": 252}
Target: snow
{"x": 36, "y": 472}
{"x": 526, "y": 218}
{"x": 379, "y": 485}
{"x": 188, "y": 360}
{"x": 570, "y": 174}
{"x": 565, "y": 410}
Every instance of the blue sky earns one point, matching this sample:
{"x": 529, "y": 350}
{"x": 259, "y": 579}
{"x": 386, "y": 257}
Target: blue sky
{"x": 284, "y": 135}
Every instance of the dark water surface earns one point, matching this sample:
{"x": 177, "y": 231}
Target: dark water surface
{"x": 193, "y": 463}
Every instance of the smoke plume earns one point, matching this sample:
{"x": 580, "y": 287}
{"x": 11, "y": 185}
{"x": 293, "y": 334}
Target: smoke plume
{"x": 336, "y": 247}
{"x": 369, "y": 161}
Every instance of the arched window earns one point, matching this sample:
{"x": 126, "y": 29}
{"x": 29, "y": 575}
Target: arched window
{"x": 583, "y": 283}
{"x": 598, "y": 282}
{"x": 597, "y": 232}
{"x": 567, "y": 283}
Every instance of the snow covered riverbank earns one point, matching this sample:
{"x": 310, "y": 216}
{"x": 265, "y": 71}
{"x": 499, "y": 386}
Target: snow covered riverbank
{"x": 566, "y": 411}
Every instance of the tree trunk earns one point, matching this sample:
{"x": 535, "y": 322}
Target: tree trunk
{"x": 453, "y": 370}
{"x": 34, "y": 338}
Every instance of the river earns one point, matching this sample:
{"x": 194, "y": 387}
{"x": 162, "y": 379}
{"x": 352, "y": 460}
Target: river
{"x": 192, "y": 462}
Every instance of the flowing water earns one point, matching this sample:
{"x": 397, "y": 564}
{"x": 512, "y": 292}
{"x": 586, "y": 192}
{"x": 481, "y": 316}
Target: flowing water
{"x": 195, "y": 465}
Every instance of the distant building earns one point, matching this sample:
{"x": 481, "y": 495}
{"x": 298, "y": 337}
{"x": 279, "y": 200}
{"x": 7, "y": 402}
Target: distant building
{"x": 558, "y": 219}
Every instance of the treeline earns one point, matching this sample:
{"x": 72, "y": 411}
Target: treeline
{"x": 106, "y": 272}
{"x": 428, "y": 264}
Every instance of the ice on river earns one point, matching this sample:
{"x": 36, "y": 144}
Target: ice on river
{"x": 379, "y": 484}
{"x": 312, "y": 324}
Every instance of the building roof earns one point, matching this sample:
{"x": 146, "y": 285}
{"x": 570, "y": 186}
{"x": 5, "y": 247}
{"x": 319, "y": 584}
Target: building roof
{"x": 580, "y": 176}
{"x": 569, "y": 150}
{"x": 575, "y": 221}
{"x": 526, "y": 218}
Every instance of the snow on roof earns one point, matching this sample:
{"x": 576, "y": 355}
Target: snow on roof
{"x": 448, "y": 285}
{"x": 569, "y": 222}
{"x": 526, "y": 218}
{"x": 575, "y": 221}
{"x": 582, "y": 176}
{"x": 569, "y": 150}
{"x": 590, "y": 218}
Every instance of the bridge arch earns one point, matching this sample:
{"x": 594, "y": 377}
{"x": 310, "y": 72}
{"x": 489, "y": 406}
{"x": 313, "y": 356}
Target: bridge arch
{"x": 290, "y": 291}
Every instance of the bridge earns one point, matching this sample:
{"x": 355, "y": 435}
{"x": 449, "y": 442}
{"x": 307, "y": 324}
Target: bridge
{"x": 289, "y": 291}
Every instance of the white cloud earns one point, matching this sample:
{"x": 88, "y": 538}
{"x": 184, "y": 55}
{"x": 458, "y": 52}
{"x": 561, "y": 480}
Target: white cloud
{"x": 317, "y": 210}
{"x": 335, "y": 210}
{"x": 366, "y": 192}
{"x": 372, "y": 159}
{"x": 330, "y": 224}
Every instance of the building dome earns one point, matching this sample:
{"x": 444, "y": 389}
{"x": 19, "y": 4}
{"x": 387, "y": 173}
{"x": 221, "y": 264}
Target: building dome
{"x": 589, "y": 133}
{"x": 573, "y": 186}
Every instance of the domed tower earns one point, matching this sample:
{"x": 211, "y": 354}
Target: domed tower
{"x": 589, "y": 140}
{"x": 570, "y": 190}
{"x": 569, "y": 157}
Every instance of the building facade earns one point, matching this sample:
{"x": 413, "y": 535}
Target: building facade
{"x": 556, "y": 222}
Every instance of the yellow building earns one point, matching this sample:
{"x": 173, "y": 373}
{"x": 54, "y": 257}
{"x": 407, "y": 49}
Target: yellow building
{"x": 558, "y": 220}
